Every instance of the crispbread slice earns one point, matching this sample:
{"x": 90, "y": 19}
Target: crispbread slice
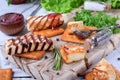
{"x": 35, "y": 55}
{"x": 50, "y": 32}
{"x": 69, "y": 36}
{"x": 117, "y": 73}
{"x": 89, "y": 76}
{"x": 6, "y": 74}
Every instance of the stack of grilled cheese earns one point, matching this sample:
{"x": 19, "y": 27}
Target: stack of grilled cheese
{"x": 47, "y": 25}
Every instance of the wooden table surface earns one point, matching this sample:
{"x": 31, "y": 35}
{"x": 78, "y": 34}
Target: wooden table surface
{"x": 28, "y": 9}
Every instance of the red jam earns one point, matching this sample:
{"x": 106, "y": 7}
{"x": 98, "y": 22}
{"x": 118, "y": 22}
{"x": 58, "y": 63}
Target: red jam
{"x": 11, "y": 18}
{"x": 11, "y": 23}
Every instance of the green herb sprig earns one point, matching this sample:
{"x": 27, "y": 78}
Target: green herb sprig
{"x": 58, "y": 59}
{"x": 99, "y": 19}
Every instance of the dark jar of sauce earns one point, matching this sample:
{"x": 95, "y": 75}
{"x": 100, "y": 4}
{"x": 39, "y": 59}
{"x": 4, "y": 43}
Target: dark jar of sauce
{"x": 11, "y": 23}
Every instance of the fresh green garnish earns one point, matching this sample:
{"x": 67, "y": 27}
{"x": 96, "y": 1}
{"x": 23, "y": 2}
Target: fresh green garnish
{"x": 61, "y": 6}
{"x": 58, "y": 59}
{"x": 9, "y": 2}
{"x": 98, "y": 20}
{"x": 115, "y": 3}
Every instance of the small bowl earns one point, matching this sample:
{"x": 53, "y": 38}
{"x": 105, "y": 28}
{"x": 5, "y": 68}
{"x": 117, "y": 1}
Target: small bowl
{"x": 18, "y": 1}
{"x": 11, "y": 23}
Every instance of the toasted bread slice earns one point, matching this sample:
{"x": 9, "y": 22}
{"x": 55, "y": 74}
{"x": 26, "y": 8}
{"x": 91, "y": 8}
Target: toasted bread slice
{"x": 103, "y": 71}
{"x": 6, "y": 74}
{"x": 35, "y": 55}
{"x": 69, "y": 36}
{"x": 71, "y": 53}
{"x": 50, "y": 32}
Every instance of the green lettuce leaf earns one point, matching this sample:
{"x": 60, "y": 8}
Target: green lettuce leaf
{"x": 61, "y": 6}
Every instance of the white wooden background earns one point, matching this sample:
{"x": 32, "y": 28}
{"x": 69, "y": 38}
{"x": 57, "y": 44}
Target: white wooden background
{"x": 27, "y": 9}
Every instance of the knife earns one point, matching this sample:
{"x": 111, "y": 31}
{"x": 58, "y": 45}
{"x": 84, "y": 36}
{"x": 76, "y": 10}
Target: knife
{"x": 37, "y": 9}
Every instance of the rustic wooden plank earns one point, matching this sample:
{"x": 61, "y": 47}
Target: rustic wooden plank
{"x": 42, "y": 69}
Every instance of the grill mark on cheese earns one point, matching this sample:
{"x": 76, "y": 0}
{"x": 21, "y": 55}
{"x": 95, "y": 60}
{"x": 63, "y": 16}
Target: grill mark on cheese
{"x": 39, "y": 37}
{"x": 42, "y": 26}
{"x": 21, "y": 42}
{"x": 58, "y": 21}
{"x": 54, "y": 25}
{"x": 33, "y": 22}
{"x": 50, "y": 46}
{"x": 45, "y": 23}
{"x": 33, "y": 38}
{"x": 29, "y": 18}
{"x": 36, "y": 46}
{"x": 16, "y": 49}
{"x": 52, "y": 22}
{"x": 39, "y": 23}
{"x": 46, "y": 40}
{"x": 66, "y": 48}
{"x": 30, "y": 44}
{"x": 27, "y": 41}
{"x": 43, "y": 46}
{"x": 13, "y": 41}
{"x": 9, "y": 52}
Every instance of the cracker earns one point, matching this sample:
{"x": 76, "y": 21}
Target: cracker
{"x": 117, "y": 73}
{"x": 69, "y": 36}
{"x": 35, "y": 55}
{"x": 89, "y": 76}
{"x": 50, "y": 32}
{"x": 6, "y": 74}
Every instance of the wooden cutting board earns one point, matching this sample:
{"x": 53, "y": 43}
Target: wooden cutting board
{"x": 42, "y": 69}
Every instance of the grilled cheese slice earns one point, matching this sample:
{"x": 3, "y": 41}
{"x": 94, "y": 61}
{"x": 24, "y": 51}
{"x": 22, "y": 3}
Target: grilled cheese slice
{"x": 28, "y": 43}
{"x": 76, "y": 25}
{"x": 102, "y": 71}
{"x": 49, "y": 21}
{"x": 71, "y": 53}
